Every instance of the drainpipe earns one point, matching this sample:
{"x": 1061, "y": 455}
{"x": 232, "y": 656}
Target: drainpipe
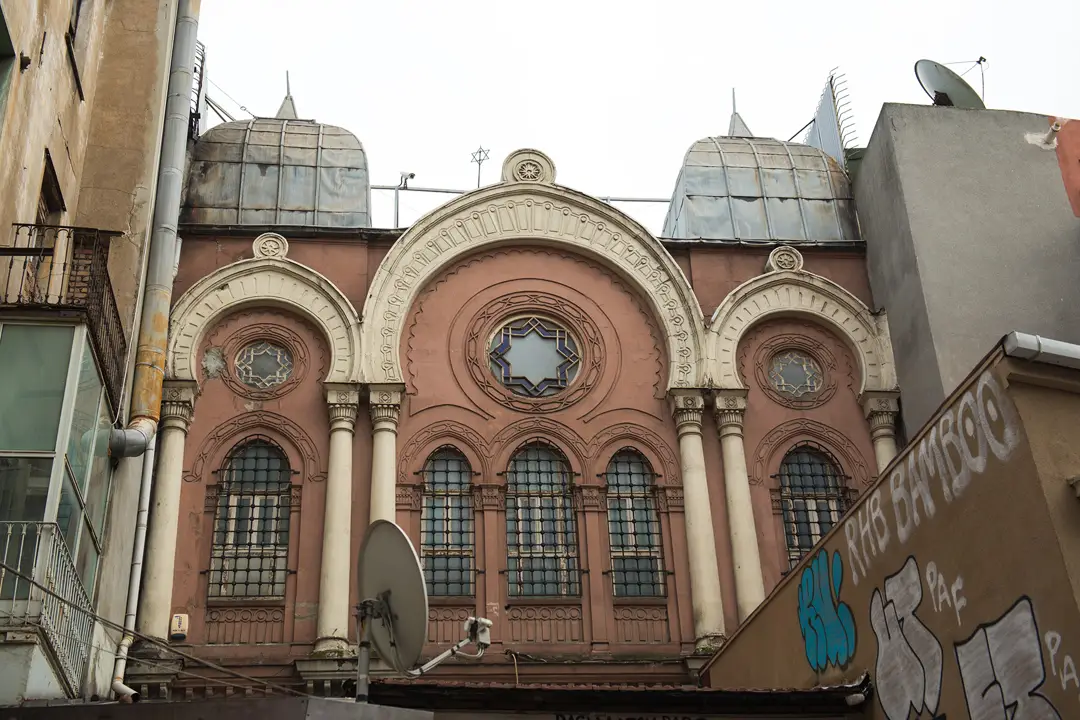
{"x": 123, "y": 692}
{"x": 134, "y": 439}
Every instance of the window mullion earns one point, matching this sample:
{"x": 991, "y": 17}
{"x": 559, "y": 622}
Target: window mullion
{"x": 56, "y": 478}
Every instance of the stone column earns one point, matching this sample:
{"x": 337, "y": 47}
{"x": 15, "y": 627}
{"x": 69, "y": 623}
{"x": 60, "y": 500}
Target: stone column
{"x": 749, "y": 586}
{"x": 385, "y": 406}
{"x": 707, "y": 603}
{"x": 335, "y": 574}
{"x": 155, "y": 604}
{"x": 881, "y": 410}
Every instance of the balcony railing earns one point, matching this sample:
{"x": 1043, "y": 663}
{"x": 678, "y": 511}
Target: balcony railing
{"x": 67, "y": 269}
{"x": 37, "y": 550}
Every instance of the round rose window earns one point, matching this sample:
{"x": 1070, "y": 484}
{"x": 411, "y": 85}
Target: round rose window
{"x": 263, "y": 365}
{"x": 795, "y": 374}
{"x": 534, "y": 357}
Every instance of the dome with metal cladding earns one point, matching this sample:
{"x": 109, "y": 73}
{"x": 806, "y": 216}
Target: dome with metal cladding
{"x": 745, "y": 188}
{"x": 278, "y": 171}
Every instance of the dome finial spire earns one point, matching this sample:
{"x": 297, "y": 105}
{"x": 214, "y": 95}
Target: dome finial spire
{"x": 737, "y": 126}
{"x": 287, "y": 111}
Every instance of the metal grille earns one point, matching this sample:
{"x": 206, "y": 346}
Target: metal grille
{"x": 251, "y": 526}
{"x": 812, "y": 497}
{"x": 541, "y": 529}
{"x": 447, "y": 527}
{"x": 637, "y": 563}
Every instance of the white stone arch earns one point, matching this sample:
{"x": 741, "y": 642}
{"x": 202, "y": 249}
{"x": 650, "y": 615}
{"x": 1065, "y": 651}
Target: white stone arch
{"x": 267, "y": 280}
{"x": 528, "y": 207}
{"x": 788, "y": 290}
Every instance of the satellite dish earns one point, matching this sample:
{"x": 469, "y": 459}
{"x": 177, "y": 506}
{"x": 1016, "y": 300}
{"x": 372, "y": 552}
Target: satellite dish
{"x": 389, "y": 572}
{"x": 946, "y": 87}
{"x": 393, "y": 608}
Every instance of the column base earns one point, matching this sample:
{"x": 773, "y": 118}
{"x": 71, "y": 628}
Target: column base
{"x": 333, "y": 647}
{"x": 709, "y": 644}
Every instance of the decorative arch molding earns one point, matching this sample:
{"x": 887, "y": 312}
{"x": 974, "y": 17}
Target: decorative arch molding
{"x": 780, "y": 439}
{"x": 508, "y": 440}
{"x": 266, "y": 281}
{"x": 612, "y": 439}
{"x": 227, "y": 434}
{"x": 796, "y": 292}
{"x": 528, "y": 207}
{"x": 447, "y": 432}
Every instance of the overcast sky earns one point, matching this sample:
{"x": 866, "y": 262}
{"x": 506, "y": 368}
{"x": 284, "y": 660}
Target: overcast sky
{"x": 613, "y": 92}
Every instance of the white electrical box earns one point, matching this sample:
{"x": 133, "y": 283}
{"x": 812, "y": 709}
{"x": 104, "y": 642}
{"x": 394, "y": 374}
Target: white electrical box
{"x": 178, "y": 628}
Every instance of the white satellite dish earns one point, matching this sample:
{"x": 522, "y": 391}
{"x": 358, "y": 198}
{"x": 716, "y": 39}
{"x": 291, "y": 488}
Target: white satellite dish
{"x": 946, "y": 87}
{"x": 393, "y": 612}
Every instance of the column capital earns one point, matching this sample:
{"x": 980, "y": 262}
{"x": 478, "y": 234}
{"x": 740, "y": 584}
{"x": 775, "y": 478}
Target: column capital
{"x": 178, "y": 403}
{"x": 729, "y": 411}
{"x": 880, "y": 409}
{"x": 687, "y": 407}
{"x": 343, "y": 403}
{"x": 384, "y": 403}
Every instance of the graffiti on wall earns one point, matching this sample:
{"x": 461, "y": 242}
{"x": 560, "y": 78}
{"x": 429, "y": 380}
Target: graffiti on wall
{"x": 935, "y": 473}
{"x": 826, "y": 622}
{"x": 1000, "y": 665}
{"x": 909, "y": 658}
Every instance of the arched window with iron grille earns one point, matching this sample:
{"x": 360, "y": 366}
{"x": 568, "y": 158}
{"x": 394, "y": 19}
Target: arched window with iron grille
{"x": 249, "y": 557}
{"x": 447, "y": 525}
{"x": 541, "y": 526}
{"x": 811, "y": 497}
{"x": 637, "y": 557}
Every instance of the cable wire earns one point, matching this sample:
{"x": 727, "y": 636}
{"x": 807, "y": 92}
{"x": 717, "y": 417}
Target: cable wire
{"x": 146, "y": 638}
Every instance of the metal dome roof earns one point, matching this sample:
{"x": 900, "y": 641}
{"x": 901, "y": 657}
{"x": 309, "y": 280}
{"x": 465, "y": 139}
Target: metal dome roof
{"x": 278, "y": 171}
{"x": 760, "y": 189}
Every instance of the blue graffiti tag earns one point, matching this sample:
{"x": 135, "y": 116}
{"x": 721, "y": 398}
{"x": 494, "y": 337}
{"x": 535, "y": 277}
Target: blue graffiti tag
{"x": 827, "y": 625}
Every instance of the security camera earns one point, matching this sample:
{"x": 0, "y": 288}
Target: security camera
{"x": 409, "y": 176}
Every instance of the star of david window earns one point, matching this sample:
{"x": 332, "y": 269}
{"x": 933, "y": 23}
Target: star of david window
{"x": 534, "y": 357}
{"x": 795, "y": 374}
{"x": 263, "y": 365}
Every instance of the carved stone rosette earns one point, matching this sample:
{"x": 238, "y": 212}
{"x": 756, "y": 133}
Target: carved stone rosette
{"x": 688, "y": 408}
{"x": 384, "y": 404}
{"x": 178, "y": 404}
{"x": 730, "y": 411}
{"x": 343, "y": 404}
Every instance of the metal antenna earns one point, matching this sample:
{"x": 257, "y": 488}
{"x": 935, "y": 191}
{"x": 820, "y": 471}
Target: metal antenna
{"x": 479, "y": 157}
{"x": 288, "y": 88}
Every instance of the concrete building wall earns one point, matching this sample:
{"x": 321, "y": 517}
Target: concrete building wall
{"x": 969, "y": 235}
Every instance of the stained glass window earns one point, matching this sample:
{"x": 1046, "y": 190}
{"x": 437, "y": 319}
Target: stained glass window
{"x": 263, "y": 365}
{"x": 637, "y": 565}
{"x": 534, "y": 357}
{"x": 812, "y": 496}
{"x": 541, "y": 529}
{"x": 250, "y": 552}
{"x": 795, "y": 373}
{"x": 447, "y": 531}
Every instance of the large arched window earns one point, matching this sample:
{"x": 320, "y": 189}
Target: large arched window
{"x": 541, "y": 529}
{"x": 250, "y": 553}
{"x": 812, "y": 496}
{"x": 447, "y": 529}
{"x": 637, "y": 564}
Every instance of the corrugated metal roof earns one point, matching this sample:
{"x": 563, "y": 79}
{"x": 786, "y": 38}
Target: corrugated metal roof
{"x": 760, "y": 190}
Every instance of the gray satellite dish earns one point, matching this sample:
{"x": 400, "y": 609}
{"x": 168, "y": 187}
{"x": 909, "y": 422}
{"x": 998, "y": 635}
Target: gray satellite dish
{"x": 389, "y": 573}
{"x": 946, "y": 87}
{"x": 393, "y": 611}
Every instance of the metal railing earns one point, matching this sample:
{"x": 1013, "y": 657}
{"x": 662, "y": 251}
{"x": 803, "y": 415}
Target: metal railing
{"x": 38, "y": 550}
{"x": 67, "y": 269}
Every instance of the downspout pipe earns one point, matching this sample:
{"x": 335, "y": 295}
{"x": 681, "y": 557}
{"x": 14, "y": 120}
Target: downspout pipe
{"x": 123, "y": 692}
{"x": 134, "y": 439}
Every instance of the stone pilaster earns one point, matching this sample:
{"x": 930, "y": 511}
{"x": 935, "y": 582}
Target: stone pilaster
{"x": 384, "y": 404}
{"x": 881, "y": 410}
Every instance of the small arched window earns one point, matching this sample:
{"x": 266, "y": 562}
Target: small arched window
{"x": 447, "y": 529}
{"x": 250, "y": 553}
{"x": 541, "y": 528}
{"x": 812, "y": 496}
{"x": 637, "y": 562}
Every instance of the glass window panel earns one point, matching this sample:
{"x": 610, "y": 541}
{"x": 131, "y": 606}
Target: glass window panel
{"x": 97, "y": 490}
{"x": 795, "y": 374}
{"x": 744, "y": 182}
{"x": 69, "y": 514}
{"x": 30, "y": 409}
{"x": 812, "y": 496}
{"x": 87, "y": 561}
{"x": 750, "y": 220}
{"x": 24, "y": 487}
{"x": 534, "y": 357}
{"x": 786, "y": 218}
{"x": 635, "y": 541}
{"x": 84, "y": 419}
{"x": 263, "y": 365}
